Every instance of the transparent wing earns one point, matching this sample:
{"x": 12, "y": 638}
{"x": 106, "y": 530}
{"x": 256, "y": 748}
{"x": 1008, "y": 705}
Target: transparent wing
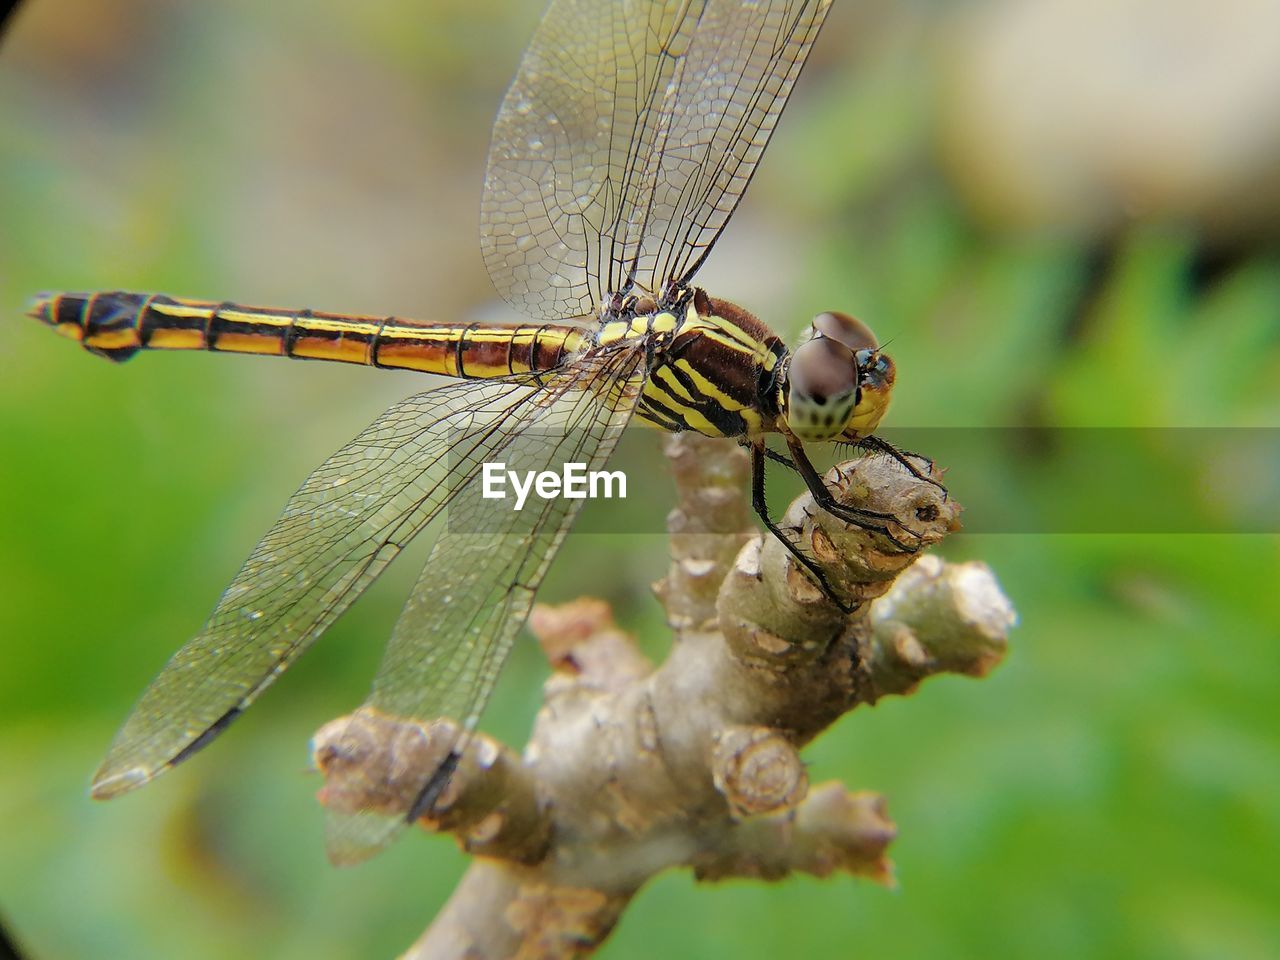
{"x": 480, "y": 580}
{"x": 627, "y": 139}
{"x": 350, "y": 518}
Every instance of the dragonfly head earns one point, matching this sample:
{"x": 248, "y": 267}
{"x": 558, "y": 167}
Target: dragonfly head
{"x": 838, "y": 382}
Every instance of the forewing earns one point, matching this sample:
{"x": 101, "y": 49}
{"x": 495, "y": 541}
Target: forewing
{"x": 627, "y": 138}
{"x": 481, "y": 577}
{"x": 350, "y": 518}
{"x": 741, "y": 68}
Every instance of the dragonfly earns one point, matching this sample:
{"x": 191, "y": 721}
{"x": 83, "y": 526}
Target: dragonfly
{"x": 621, "y": 150}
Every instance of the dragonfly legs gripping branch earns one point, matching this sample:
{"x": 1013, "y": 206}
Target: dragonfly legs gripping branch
{"x": 906, "y": 540}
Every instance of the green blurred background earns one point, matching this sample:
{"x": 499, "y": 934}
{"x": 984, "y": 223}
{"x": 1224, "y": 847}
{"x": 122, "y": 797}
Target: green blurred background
{"x": 1060, "y": 213}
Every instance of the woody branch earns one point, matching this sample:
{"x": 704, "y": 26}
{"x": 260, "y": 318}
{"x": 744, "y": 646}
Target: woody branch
{"x": 633, "y": 769}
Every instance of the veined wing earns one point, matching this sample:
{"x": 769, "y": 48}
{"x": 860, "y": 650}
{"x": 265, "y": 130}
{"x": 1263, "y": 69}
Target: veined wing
{"x": 481, "y": 578}
{"x": 627, "y": 139}
{"x": 350, "y": 518}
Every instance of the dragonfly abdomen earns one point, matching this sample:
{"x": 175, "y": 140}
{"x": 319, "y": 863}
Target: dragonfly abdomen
{"x": 116, "y": 325}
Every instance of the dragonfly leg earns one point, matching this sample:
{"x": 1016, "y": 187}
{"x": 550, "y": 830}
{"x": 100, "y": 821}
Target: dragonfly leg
{"x": 904, "y": 458}
{"x": 866, "y": 519}
{"x": 781, "y": 458}
{"x": 761, "y": 506}
{"x": 862, "y": 518}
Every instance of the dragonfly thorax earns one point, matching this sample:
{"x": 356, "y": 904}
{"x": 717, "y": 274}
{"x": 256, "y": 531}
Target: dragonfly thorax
{"x": 713, "y": 366}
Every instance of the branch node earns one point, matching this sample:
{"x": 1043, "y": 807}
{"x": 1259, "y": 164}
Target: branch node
{"x": 757, "y": 771}
{"x": 844, "y": 830}
{"x": 939, "y": 617}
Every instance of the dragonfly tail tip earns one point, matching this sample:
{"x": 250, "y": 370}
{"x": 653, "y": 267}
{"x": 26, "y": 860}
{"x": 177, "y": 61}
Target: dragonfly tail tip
{"x": 40, "y": 307}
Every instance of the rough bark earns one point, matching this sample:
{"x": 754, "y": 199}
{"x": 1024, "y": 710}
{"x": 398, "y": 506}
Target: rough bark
{"x": 633, "y": 769}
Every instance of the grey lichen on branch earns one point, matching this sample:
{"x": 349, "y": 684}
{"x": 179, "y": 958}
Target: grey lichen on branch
{"x": 632, "y": 769}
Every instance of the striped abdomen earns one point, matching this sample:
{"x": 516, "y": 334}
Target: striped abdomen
{"x": 117, "y": 325}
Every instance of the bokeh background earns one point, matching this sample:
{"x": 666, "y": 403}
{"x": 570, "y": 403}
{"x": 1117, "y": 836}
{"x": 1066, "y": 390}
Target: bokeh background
{"x": 1062, "y": 213}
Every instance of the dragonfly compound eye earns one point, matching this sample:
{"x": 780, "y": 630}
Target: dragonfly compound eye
{"x": 822, "y": 389}
{"x": 842, "y": 328}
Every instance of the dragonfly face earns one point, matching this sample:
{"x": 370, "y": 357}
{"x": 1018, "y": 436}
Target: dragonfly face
{"x": 837, "y": 383}
{"x": 876, "y": 374}
{"x": 621, "y": 150}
